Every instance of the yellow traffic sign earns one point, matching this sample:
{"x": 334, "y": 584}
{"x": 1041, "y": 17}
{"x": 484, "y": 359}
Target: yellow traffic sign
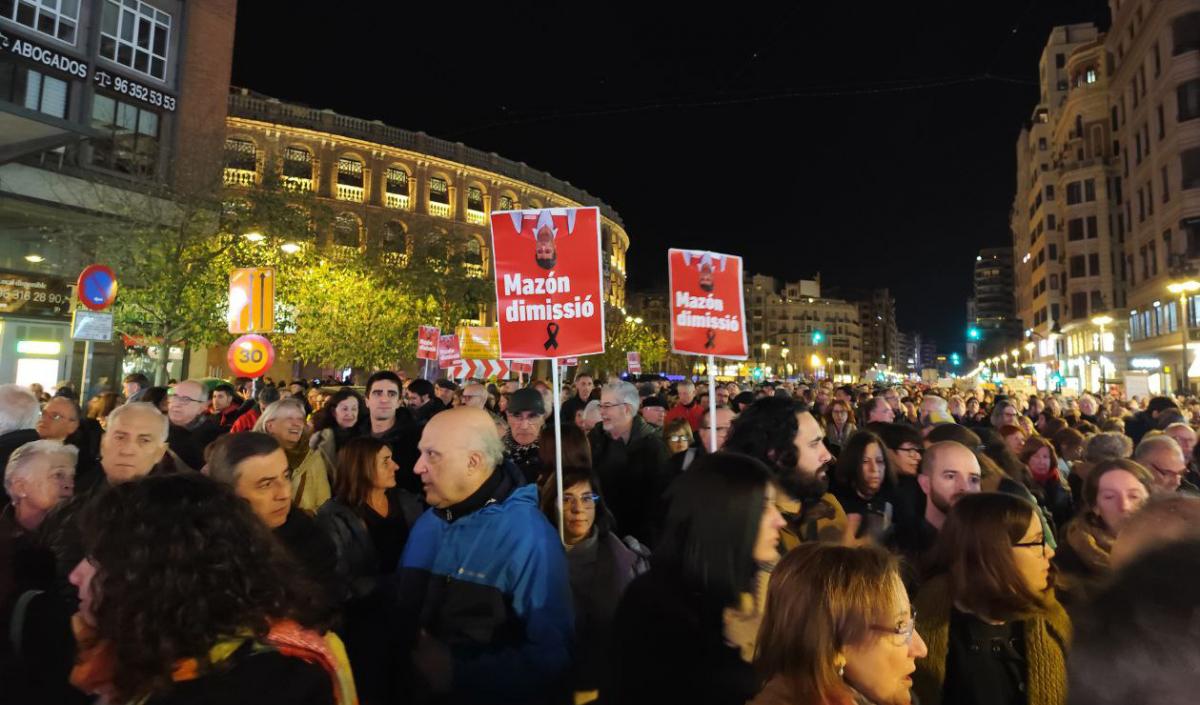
{"x": 252, "y": 300}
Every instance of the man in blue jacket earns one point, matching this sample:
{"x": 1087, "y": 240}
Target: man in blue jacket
{"x": 483, "y": 576}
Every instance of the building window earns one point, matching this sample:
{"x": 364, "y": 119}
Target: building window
{"x": 1093, "y": 229}
{"x": 1189, "y": 161}
{"x": 1166, "y": 193}
{"x": 1050, "y": 192}
{"x": 31, "y": 89}
{"x": 1053, "y": 282}
{"x": 1094, "y": 265}
{"x": 1152, "y": 253}
{"x": 1060, "y": 60}
{"x": 54, "y": 18}
{"x": 1089, "y": 190}
{"x": 1075, "y": 229}
{"x": 1050, "y": 221}
{"x": 506, "y": 203}
{"x": 1097, "y": 301}
{"x": 1079, "y": 301}
{"x": 1157, "y": 60}
{"x": 1074, "y": 193}
{"x": 347, "y": 230}
{"x": 136, "y": 35}
{"x": 1078, "y": 266}
{"x": 1053, "y": 252}
{"x": 131, "y": 144}
{"x": 474, "y": 199}
{"x": 240, "y": 154}
{"x": 439, "y": 190}
{"x": 397, "y": 181}
{"x": 1185, "y": 33}
{"x": 297, "y": 163}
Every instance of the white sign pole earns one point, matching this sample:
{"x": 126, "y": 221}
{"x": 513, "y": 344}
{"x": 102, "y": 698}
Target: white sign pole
{"x": 87, "y": 370}
{"x": 558, "y": 465}
{"x": 712, "y": 406}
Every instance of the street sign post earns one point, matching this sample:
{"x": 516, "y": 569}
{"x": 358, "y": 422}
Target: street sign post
{"x": 251, "y": 356}
{"x": 92, "y": 325}
{"x": 252, "y": 300}
{"x": 96, "y": 289}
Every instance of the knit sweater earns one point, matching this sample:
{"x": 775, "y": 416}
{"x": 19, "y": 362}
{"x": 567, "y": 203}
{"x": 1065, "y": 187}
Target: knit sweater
{"x": 1047, "y": 637}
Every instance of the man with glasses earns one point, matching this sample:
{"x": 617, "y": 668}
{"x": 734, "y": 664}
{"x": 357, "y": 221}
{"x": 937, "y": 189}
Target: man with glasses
{"x": 653, "y": 410}
{"x": 628, "y": 455}
{"x": 526, "y": 414}
{"x": 255, "y": 466}
{"x": 192, "y": 429}
{"x": 475, "y": 396}
{"x": 1164, "y": 458}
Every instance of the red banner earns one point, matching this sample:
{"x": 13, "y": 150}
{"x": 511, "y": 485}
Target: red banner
{"x": 549, "y": 295}
{"x": 708, "y": 314}
{"x": 447, "y": 351}
{"x": 427, "y": 342}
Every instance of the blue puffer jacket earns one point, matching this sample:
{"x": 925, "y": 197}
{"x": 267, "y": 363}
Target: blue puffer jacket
{"x": 493, "y": 586}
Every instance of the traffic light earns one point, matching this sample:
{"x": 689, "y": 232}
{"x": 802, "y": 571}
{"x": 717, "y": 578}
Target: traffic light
{"x": 818, "y": 337}
{"x": 973, "y": 333}
{"x": 954, "y": 359}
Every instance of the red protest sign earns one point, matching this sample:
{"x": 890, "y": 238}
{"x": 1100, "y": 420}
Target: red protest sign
{"x": 447, "y": 350}
{"x": 708, "y": 315}
{"x": 634, "y": 362}
{"x": 427, "y": 342}
{"x": 549, "y": 300}
{"x": 522, "y": 366}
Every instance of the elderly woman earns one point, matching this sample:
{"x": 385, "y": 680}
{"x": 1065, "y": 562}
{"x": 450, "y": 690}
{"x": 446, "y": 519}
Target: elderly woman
{"x": 39, "y": 476}
{"x": 286, "y": 421}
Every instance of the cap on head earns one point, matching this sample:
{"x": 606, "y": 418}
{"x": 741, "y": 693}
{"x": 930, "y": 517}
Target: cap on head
{"x": 527, "y": 399}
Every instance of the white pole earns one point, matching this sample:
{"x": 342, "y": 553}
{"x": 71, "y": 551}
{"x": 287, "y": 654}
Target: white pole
{"x": 87, "y": 371}
{"x": 712, "y": 407}
{"x": 556, "y": 383}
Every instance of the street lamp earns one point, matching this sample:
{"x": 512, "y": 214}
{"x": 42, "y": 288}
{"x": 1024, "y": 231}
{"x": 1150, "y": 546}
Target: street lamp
{"x": 783, "y": 353}
{"x": 1183, "y": 289}
{"x": 766, "y": 347}
{"x": 1005, "y": 358}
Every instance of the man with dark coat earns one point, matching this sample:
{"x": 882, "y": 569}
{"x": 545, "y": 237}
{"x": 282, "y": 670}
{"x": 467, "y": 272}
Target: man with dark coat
{"x": 526, "y": 415}
{"x": 193, "y": 429}
{"x": 583, "y": 394}
{"x": 628, "y": 455}
{"x": 393, "y": 423}
{"x": 420, "y": 398}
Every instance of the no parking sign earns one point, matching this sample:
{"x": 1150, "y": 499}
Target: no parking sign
{"x": 96, "y": 287}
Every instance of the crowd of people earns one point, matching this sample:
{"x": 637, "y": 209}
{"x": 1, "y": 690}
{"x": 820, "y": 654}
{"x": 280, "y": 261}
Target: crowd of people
{"x": 406, "y": 542}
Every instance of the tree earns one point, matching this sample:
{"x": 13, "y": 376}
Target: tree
{"x": 445, "y": 269}
{"x": 345, "y": 316}
{"x": 622, "y": 335}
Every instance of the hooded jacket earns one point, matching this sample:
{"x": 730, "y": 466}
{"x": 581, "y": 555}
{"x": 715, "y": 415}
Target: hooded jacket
{"x": 488, "y": 578}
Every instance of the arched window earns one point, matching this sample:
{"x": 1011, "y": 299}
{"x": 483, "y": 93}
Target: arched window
{"x": 396, "y": 187}
{"x": 507, "y": 203}
{"x": 241, "y": 162}
{"x": 395, "y": 238}
{"x": 439, "y": 190}
{"x": 475, "y": 199}
{"x": 349, "y": 179}
{"x": 347, "y": 230}
{"x": 298, "y": 167}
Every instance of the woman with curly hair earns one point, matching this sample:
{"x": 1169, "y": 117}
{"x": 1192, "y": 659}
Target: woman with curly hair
{"x": 186, "y": 598}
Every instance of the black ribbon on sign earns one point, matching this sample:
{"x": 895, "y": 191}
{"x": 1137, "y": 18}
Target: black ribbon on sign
{"x": 711, "y": 341}
{"x": 551, "y": 336}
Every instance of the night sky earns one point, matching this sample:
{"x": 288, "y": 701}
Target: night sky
{"x": 871, "y": 142}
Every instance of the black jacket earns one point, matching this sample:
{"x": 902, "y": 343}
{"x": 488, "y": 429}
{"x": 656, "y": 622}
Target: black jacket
{"x": 312, "y": 548}
{"x": 427, "y": 410}
{"x": 10, "y": 442}
{"x": 266, "y": 678}
{"x": 630, "y": 472}
{"x": 667, "y": 647}
{"x": 601, "y": 568}
{"x": 358, "y": 568}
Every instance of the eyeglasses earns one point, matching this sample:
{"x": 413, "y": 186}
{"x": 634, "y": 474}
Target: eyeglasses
{"x": 586, "y": 500}
{"x": 918, "y": 451}
{"x": 1168, "y": 472}
{"x": 903, "y": 633}
{"x": 611, "y": 405}
{"x": 1040, "y": 543}
{"x": 182, "y": 399}
{"x": 55, "y": 416}
{"x": 678, "y": 439}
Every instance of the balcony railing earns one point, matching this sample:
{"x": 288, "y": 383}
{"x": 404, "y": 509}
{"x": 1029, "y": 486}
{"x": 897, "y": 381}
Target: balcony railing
{"x": 349, "y": 193}
{"x": 240, "y": 177}
{"x": 475, "y": 271}
{"x": 297, "y": 183}
{"x": 396, "y": 259}
{"x": 441, "y": 210}
{"x": 476, "y": 217}
{"x": 396, "y": 200}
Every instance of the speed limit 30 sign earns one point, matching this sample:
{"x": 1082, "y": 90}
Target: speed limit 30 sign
{"x": 251, "y": 356}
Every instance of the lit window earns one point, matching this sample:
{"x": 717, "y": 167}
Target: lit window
{"x": 54, "y": 18}
{"x": 297, "y": 163}
{"x": 397, "y": 181}
{"x": 474, "y": 199}
{"x": 506, "y": 203}
{"x": 346, "y": 229}
{"x": 240, "y": 154}
{"x": 1090, "y": 76}
{"x": 439, "y": 190}
{"x": 350, "y": 172}
{"x": 136, "y": 35}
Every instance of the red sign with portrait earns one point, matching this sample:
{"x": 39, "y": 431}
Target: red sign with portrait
{"x": 549, "y": 282}
{"x": 708, "y": 313}
{"x": 448, "y": 350}
{"x": 427, "y": 342}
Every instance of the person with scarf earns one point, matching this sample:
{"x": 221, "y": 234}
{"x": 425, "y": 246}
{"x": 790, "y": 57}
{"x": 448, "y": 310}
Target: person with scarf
{"x": 342, "y": 417}
{"x": 210, "y": 610}
{"x": 1113, "y": 491}
{"x": 995, "y": 631}
{"x": 1039, "y": 457}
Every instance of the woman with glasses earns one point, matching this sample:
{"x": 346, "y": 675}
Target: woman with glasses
{"x": 600, "y": 564}
{"x": 679, "y": 632}
{"x": 679, "y": 435}
{"x": 995, "y": 631}
{"x": 839, "y": 425}
{"x": 1114, "y": 490}
{"x": 837, "y": 628}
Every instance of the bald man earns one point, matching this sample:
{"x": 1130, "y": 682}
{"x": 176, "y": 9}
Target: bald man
{"x": 483, "y": 576}
{"x": 949, "y": 470}
{"x": 474, "y": 395}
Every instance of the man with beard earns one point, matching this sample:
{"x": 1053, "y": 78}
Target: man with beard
{"x": 949, "y": 470}
{"x": 784, "y": 434}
